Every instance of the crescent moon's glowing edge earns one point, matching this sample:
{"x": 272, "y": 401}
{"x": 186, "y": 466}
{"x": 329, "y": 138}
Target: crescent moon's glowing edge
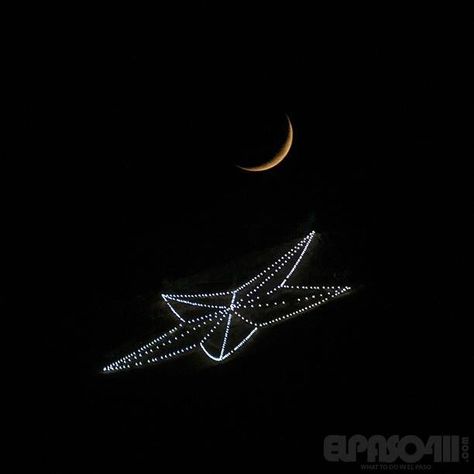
{"x": 279, "y": 157}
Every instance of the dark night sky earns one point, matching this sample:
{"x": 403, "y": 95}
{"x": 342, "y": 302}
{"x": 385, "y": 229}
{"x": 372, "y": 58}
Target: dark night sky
{"x": 132, "y": 129}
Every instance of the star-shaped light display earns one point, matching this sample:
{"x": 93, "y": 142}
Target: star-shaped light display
{"x": 219, "y": 324}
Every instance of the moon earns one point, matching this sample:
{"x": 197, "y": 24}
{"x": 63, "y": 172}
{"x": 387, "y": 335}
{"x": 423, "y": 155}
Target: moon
{"x": 279, "y": 156}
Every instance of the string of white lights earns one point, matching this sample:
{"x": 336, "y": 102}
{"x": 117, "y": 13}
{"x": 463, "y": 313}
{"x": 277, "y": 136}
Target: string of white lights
{"x": 299, "y": 260}
{"x": 193, "y": 303}
{"x": 240, "y": 344}
{"x": 229, "y": 319}
{"x": 195, "y": 332}
{"x": 124, "y": 362}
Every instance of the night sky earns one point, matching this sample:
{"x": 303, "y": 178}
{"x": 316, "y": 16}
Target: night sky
{"x": 131, "y": 130}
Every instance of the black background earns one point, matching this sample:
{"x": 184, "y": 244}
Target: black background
{"x": 131, "y": 128}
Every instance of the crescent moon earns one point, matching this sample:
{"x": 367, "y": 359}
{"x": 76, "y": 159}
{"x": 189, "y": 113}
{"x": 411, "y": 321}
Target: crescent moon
{"x": 279, "y": 156}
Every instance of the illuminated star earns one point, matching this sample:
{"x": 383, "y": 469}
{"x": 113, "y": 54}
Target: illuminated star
{"x": 219, "y": 324}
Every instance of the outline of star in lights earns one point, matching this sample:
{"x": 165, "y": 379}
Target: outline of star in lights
{"x": 229, "y": 319}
